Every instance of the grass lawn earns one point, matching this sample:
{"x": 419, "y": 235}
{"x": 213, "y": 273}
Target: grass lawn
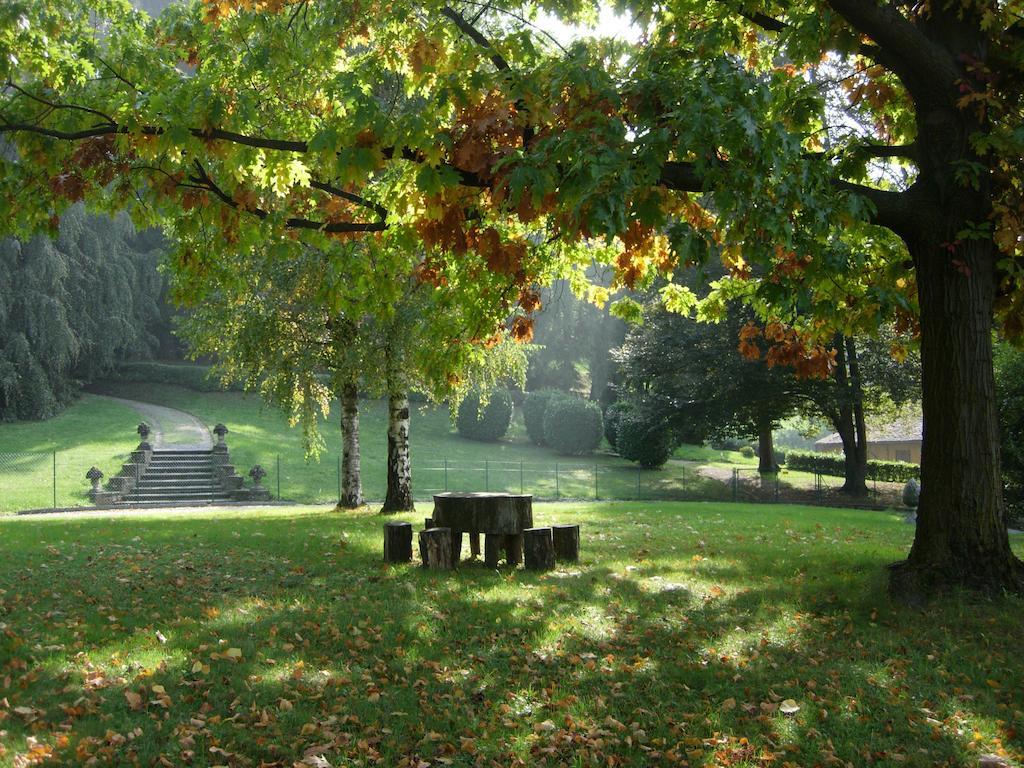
{"x": 258, "y": 435}
{"x": 277, "y": 636}
{"x": 92, "y": 431}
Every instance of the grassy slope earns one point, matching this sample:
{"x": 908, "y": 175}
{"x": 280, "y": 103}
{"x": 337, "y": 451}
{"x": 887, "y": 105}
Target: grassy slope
{"x": 91, "y": 432}
{"x": 259, "y": 434}
{"x": 674, "y": 640}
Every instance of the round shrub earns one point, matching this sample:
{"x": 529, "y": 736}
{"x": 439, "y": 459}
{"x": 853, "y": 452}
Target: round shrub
{"x": 911, "y": 493}
{"x": 747, "y": 452}
{"x": 489, "y": 424}
{"x": 649, "y": 445}
{"x": 534, "y": 406}
{"x": 572, "y": 426}
{"x": 613, "y": 415}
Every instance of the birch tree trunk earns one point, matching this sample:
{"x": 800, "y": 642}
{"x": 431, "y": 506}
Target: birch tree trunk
{"x": 399, "y": 495}
{"x": 351, "y": 477}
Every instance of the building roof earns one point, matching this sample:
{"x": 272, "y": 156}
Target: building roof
{"x": 900, "y": 431}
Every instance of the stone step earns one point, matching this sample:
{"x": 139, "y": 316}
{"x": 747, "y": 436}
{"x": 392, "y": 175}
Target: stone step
{"x": 178, "y": 496}
{"x": 179, "y": 473}
{"x": 180, "y": 462}
{"x": 160, "y": 485}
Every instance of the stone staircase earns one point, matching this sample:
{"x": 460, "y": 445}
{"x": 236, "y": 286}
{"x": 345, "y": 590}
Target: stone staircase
{"x": 185, "y": 476}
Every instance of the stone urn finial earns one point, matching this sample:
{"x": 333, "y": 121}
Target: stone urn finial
{"x": 220, "y": 430}
{"x": 144, "y": 430}
{"x": 94, "y": 475}
{"x": 257, "y": 473}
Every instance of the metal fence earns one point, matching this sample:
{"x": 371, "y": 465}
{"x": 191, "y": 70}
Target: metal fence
{"x": 45, "y": 480}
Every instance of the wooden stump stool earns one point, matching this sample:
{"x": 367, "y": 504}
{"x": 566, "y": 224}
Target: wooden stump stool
{"x": 566, "y": 539}
{"x": 538, "y": 549}
{"x": 397, "y": 542}
{"x": 436, "y": 548}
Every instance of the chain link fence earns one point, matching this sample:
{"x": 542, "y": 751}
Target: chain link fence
{"x": 47, "y": 480}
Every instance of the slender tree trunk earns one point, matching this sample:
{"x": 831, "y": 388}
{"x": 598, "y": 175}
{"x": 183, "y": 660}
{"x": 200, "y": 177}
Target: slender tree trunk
{"x": 351, "y": 479}
{"x": 399, "y": 495}
{"x": 766, "y": 450}
{"x": 850, "y": 422}
{"x": 599, "y": 363}
{"x": 961, "y": 537}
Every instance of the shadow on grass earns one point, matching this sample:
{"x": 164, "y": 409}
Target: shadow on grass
{"x": 639, "y": 653}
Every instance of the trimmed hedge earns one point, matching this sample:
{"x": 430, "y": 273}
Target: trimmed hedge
{"x": 648, "y": 445}
{"x": 534, "y": 406}
{"x": 833, "y": 464}
{"x": 189, "y": 376}
{"x": 488, "y": 425}
{"x": 573, "y": 426}
{"x": 613, "y": 416}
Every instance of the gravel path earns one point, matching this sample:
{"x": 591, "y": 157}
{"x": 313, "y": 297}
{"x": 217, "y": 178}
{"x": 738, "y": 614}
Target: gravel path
{"x": 170, "y": 428}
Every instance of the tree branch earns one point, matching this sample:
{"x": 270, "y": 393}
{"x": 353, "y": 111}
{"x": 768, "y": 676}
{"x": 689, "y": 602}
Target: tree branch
{"x": 202, "y": 179}
{"x": 476, "y": 36}
{"x": 920, "y": 63}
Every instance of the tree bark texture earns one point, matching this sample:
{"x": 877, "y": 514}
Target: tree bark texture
{"x": 399, "y": 493}
{"x": 351, "y": 477}
{"x": 566, "y": 540}
{"x": 538, "y": 549}
{"x": 766, "y": 449}
{"x": 436, "y": 549}
{"x": 961, "y": 536}
{"x": 848, "y": 419}
{"x": 397, "y": 542}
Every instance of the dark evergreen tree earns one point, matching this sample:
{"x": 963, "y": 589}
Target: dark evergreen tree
{"x": 71, "y": 307}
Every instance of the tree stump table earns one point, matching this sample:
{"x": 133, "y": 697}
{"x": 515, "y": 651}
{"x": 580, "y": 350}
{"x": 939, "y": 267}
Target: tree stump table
{"x": 500, "y": 517}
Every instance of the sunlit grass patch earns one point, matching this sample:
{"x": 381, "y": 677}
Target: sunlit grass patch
{"x": 687, "y": 633}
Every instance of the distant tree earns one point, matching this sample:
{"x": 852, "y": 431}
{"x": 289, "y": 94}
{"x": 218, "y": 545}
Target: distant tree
{"x": 285, "y": 320}
{"x": 691, "y": 376}
{"x": 1009, "y": 367}
{"x": 71, "y": 307}
{"x": 713, "y": 380}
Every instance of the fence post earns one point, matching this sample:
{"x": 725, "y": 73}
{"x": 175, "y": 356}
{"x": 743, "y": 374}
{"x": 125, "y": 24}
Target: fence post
{"x": 279, "y": 478}
{"x": 735, "y": 482}
{"x": 446, "y": 474}
{"x": 558, "y": 493}
{"x": 487, "y": 475}
{"x": 596, "y": 496}
{"x": 54, "y": 479}
{"x": 522, "y": 487}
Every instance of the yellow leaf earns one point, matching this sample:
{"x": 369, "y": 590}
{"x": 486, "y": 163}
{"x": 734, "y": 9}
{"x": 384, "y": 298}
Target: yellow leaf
{"x": 233, "y": 653}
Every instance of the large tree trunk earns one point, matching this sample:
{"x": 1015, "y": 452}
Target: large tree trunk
{"x": 766, "y": 450}
{"x": 848, "y": 420}
{"x": 399, "y": 495}
{"x": 961, "y": 537}
{"x": 351, "y": 478}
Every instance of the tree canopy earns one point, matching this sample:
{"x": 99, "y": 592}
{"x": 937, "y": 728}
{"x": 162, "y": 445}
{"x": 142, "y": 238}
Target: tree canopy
{"x": 848, "y": 161}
